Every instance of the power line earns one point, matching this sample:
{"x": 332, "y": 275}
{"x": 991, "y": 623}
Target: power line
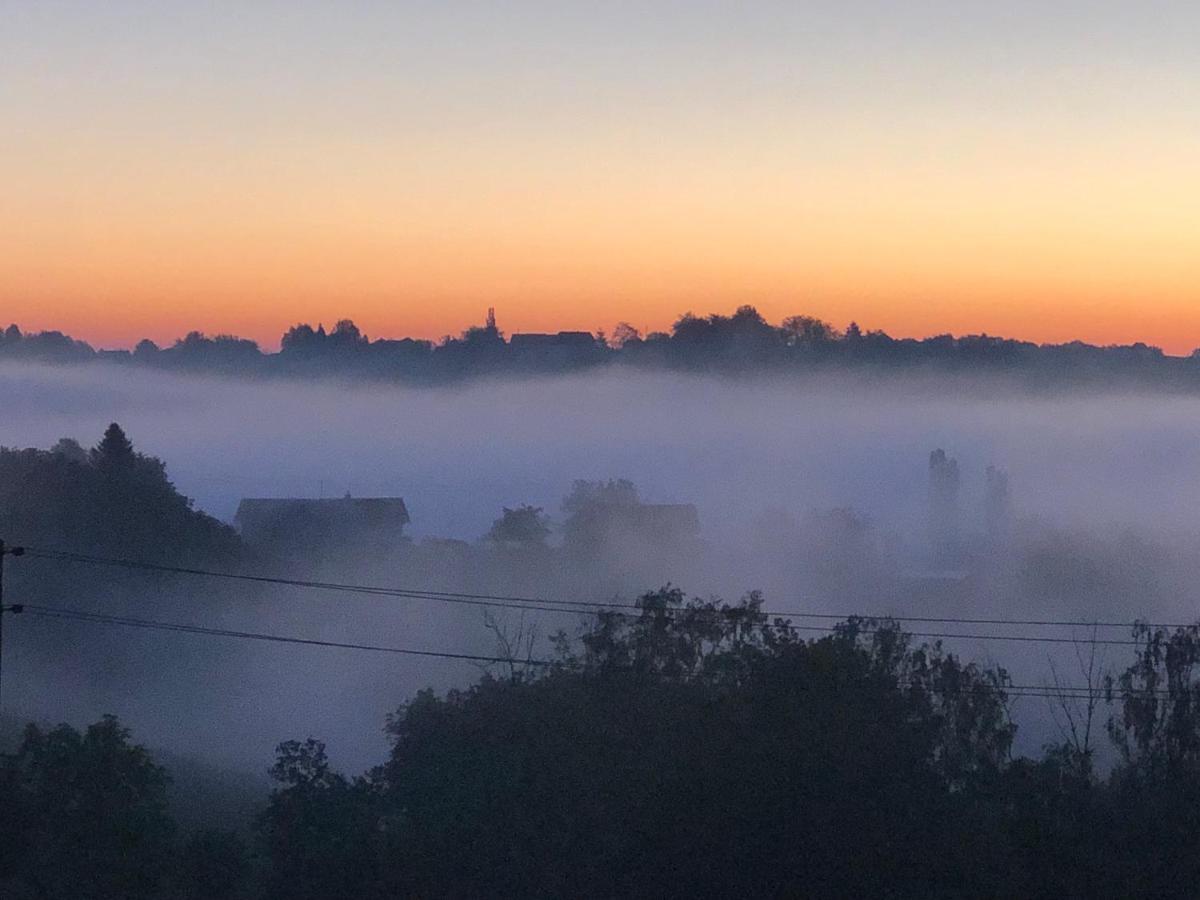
{"x": 55, "y": 612}
{"x": 535, "y": 604}
{"x": 939, "y": 635}
{"x": 520, "y": 603}
{"x": 728, "y": 612}
{"x": 943, "y": 635}
{"x": 560, "y": 606}
{"x": 6, "y": 551}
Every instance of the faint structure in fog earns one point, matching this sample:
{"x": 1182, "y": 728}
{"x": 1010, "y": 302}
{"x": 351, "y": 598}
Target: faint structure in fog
{"x": 610, "y": 514}
{"x": 997, "y": 505}
{"x": 653, "y": 525}
{"x": 295, "y": 526}
{"x": 943, "y": 508}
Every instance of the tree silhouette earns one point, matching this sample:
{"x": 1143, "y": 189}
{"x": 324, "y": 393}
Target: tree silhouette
{"x": 525, "y": 526}
{"x": 694, "y": 749}
{"x": 85, "y": 815}
{"x": 114, "y": 454}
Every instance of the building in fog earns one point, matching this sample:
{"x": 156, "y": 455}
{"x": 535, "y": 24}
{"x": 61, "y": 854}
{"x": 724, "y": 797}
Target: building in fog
{"x": 648, "y": 526}
{"x": 997, "y": 505}
{"x": 555, "y": 351}
{"x": 944, "y": 538}
{"x": 299, "y": 525}
{"x": 536, "y": 341}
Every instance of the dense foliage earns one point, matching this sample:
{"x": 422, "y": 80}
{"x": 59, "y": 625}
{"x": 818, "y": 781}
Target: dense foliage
{"x": 688, "y": 750}
{"x": 696, "y": 750}
{"x": 111, "y": 500}
{"x": 85, "y": 816}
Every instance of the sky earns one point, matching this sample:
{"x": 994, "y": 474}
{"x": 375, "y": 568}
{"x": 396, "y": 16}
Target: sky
{"x": 1025, "y": 168}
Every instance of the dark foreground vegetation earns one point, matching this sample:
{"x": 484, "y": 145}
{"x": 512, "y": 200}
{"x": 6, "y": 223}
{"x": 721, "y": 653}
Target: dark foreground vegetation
{"x": 741, "y": 343}
{"x": 686, "y": 750}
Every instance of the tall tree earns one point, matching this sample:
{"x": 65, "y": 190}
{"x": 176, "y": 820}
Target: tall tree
{"x": 114, "y": 454}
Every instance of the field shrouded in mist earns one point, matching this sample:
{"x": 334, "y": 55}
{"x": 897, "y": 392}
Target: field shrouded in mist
{"x": 1103, "y": 488}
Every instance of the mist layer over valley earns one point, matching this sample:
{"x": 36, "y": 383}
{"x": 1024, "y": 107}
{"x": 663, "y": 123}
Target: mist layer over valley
{"x": 815, "y": 491}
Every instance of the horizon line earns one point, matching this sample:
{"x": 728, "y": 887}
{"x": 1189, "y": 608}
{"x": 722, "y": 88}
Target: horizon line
{"x": 272, "y": 347}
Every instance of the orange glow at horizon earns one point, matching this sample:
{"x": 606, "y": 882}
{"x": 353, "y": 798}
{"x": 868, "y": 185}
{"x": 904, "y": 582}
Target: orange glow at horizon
{"x": 111, "y": 324}
{"x": 148, "y": 196}
{"x": 1046, "y": 263}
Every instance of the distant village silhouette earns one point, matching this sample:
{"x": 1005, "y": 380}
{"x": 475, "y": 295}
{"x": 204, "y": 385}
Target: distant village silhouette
{"x": 741, "y": 343}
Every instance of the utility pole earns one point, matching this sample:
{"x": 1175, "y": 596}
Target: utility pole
{"x": 15, "y": 608}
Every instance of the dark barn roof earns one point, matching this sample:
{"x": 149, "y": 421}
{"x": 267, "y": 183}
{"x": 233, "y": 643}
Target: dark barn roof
{"x": 270, "y": 518}
{"x": 561, "y": 339}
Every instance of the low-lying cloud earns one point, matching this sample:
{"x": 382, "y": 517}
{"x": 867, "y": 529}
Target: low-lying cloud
{"x": 1104, "y": 486}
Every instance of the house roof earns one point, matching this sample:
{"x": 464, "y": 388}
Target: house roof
{"x": 559, "y": 339}
{"x": 374, "y": 508}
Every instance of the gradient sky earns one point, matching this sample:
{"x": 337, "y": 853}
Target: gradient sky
{"x": 1029, "y": 169}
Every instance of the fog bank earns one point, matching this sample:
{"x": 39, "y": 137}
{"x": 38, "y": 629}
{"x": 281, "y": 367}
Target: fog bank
{"x": 1096, "y": 480}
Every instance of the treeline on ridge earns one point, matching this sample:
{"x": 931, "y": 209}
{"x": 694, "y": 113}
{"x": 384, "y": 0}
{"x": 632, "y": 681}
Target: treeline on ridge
{"x": 742, "y": 342}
